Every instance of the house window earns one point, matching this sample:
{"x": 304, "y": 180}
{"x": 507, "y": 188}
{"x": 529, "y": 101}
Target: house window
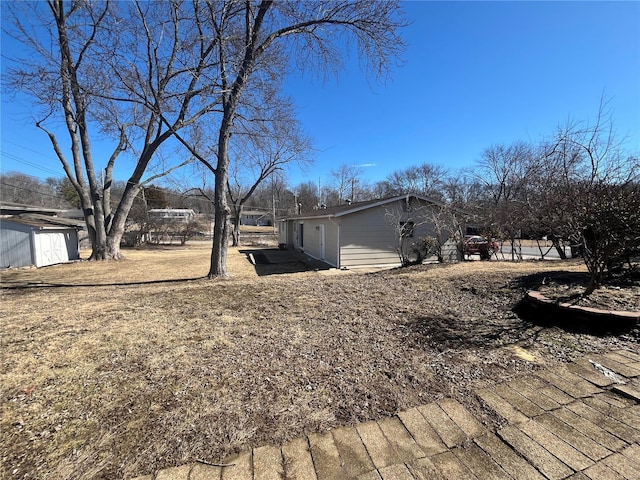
{"x": 406, "y": 229}
{"x": 301, "y": 235}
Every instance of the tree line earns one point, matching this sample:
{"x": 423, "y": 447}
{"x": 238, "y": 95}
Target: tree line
{"x": 578, "y": 186}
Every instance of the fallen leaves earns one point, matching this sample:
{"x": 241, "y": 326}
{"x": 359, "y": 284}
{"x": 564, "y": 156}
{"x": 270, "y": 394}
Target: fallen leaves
{"x": 140, "y": 377}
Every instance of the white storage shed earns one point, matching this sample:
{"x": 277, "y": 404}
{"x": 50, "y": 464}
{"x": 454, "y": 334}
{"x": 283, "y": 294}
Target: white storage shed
{"x": 38, "y": 240}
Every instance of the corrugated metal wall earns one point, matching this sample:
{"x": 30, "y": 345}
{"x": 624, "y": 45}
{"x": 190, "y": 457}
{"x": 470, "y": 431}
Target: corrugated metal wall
{"x": 15, "y": 245}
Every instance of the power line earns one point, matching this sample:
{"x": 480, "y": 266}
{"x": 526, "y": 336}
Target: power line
{"x": 25, "y": 148}
{"x": 15, "y": 158}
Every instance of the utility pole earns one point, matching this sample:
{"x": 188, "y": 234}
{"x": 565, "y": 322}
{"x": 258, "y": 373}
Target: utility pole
{"x": 273, "y": 204}
{"x": 353, "y": 189}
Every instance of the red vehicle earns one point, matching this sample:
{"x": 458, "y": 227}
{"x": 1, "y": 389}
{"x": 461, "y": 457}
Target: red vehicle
{"x": 477, "y": 245}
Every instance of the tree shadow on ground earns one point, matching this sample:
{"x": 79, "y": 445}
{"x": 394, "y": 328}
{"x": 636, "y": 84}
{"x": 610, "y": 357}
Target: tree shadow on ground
{"x": 562, "y": 277}
{"x": 459, "y": 333}
{"x": 21, "y": 285}
{"x": 276, "y": 262}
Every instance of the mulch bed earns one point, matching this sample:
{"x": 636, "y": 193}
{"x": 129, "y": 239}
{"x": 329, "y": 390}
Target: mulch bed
{"x": 619, "y": 294}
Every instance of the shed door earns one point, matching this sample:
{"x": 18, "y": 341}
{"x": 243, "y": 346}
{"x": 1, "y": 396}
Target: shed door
{"x": 51, "y": 248}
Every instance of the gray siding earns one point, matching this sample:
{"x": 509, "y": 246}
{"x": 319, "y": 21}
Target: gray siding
{"x": 364, "y": 237}
{"x": 367, "y": 239}
{"x": 332, "y": 243}
{"x": 15, "y": 245}
{"x": 450, "y": 252}
{"x": 282, "y": 232}
{"x": 312, "y": 239}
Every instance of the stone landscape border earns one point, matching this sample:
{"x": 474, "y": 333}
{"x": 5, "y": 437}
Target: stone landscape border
{"x": 595, "y": 316}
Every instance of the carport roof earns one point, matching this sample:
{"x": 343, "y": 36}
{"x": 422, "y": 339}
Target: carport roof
{"x": 44, "y": 222}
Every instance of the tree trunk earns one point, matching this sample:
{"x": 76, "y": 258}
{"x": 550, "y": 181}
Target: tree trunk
{"x": 107, "y": 242}
{"x": 113, "y": 246}
{"x": 559, "y": 248}
{"x": 218, "y": 266}
{"x": 99, "y": 248}
{"x": 236, "y": 226}
{"x": 230, "y": 100}
{"x": 593, "y": 285}
{"x": 108, "y": 248}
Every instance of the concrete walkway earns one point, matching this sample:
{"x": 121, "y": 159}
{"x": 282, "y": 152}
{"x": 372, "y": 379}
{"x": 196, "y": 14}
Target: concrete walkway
{"x": 578, "y": 421}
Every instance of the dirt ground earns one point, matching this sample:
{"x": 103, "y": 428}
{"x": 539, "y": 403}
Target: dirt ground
{"x": 112, "y": 370}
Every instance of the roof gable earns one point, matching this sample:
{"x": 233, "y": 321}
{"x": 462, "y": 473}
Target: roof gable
{"x": 355, "y": 207}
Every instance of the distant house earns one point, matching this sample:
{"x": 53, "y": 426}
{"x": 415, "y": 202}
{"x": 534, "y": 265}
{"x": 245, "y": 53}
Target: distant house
{"x": 35, "y": 239}
{"x": 172, "y": 215}
{"x": 164, "y": 225}
{"x": 256, "y": 218}
{"x": 364, "y": 234}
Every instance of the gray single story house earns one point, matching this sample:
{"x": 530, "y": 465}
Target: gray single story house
{"x": 40, "y": 240}
{"x": 365, "y": 234}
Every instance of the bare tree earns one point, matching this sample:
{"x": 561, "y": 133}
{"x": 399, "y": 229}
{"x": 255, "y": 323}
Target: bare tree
{"x": 143, "y": 72}
{"x": 256, "y": 40}
{"x": 590, "y": 192}
{"x": 426, "y": 179}
{"x": 608, "y": 226}
{"x": 274, "y": 195}
{"x": 345, "y": 182}
{"x": 462, "y": 190}
{"x": 259, "y": 154}
{"x": 306, "y": 197}
{"x": 504, "y": 172}
{"x": 134, "y": 72}
{"x": 446, "y": 227}
{"x": 421, "y": 229}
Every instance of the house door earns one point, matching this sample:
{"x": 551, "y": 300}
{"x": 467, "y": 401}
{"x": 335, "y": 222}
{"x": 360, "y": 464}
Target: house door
{"x": 301, "y": 235}
{"x": 321, "y": 237}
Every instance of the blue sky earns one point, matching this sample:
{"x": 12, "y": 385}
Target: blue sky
{"x": 474, "y": 74}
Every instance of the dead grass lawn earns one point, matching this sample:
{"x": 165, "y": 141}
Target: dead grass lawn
{"x": 118, "y": 369}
